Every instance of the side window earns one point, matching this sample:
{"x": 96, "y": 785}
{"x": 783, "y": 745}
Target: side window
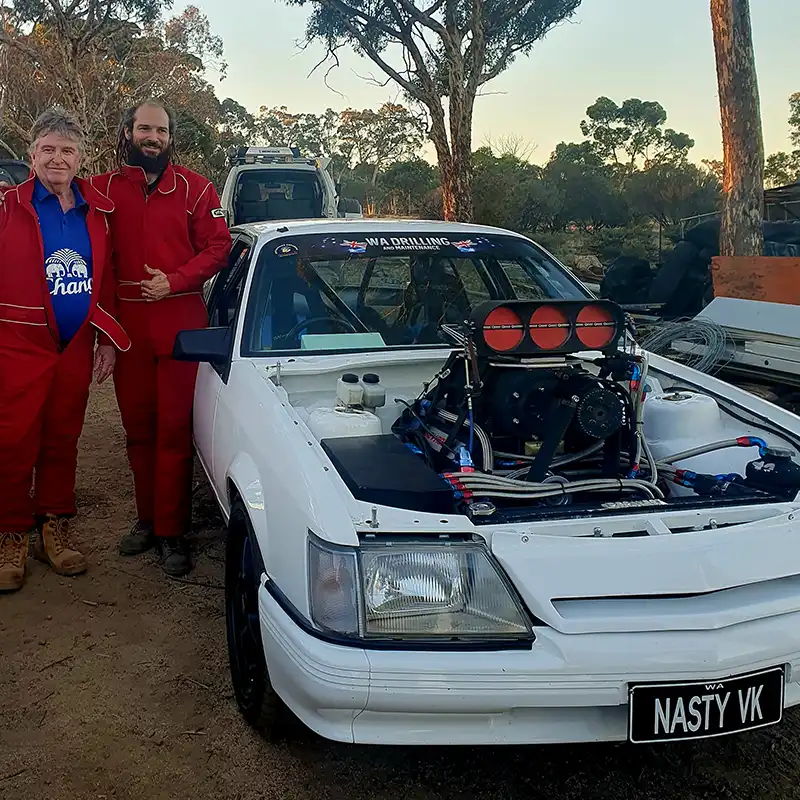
{"x": 525, "y": 287}
{"x": 229, "y": 301}
{"x": 226, "y": 292}
{"x": 473, "y": 281}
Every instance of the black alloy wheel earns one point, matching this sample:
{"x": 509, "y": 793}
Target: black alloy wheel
{"x": 258, "y": 702}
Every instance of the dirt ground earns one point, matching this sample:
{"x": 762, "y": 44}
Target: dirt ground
{"x": 115, "y": 685}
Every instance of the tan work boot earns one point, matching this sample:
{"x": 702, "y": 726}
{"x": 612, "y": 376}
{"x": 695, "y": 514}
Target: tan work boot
{"x": 13, "y": 559}
{"x": 54, "y": 547}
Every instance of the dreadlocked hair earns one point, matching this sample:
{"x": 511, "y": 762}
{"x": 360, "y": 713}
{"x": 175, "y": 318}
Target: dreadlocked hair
{"x": 124, "y": 144}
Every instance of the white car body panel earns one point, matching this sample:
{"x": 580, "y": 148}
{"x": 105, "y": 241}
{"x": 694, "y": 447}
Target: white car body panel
{"x": 739, "y": 580}
{"x": 566, "y": 689}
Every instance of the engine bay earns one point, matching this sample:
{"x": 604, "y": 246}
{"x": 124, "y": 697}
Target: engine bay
{"x": 544, "y": 408}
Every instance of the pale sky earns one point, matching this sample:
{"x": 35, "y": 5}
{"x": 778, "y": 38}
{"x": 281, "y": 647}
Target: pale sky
{"x": 651, "y": 49}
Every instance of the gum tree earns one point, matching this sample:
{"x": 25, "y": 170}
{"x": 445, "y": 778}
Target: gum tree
{"x": 741, "y": 232}
{"x": 441, "y": 53}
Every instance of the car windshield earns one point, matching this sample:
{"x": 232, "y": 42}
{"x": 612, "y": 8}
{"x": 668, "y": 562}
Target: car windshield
{"x": 277, "y": 194}
{"x": 367, "y": 291}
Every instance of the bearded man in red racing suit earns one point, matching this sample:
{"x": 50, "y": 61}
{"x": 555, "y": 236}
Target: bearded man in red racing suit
{"x": 170, "y": 236}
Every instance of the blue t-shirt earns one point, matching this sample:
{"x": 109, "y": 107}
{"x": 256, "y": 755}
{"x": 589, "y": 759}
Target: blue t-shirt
{"x": 67, "y": 258}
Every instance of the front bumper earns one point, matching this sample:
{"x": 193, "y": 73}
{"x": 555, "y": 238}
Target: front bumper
{"x": 567, "y": 688}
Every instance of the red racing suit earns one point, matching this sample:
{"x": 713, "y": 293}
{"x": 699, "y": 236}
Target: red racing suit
{"x": 44, "y": 388}
{"x": 177, "y": 227}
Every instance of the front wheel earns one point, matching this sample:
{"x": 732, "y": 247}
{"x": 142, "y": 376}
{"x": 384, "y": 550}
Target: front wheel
{"x": 258, "y": 702}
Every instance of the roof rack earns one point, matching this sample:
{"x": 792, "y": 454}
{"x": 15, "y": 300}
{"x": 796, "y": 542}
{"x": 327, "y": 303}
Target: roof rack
{"x": 269, "y": 155}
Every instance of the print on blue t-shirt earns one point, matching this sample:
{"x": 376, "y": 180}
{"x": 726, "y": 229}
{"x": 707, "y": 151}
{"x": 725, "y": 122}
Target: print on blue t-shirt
{"x": 67, "y": 258}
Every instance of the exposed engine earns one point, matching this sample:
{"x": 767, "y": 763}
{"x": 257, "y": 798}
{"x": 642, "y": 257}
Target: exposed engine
{"x": 513, "y": 409}
{"x": 540, "y": 406}
{"x": 538, "y": 415}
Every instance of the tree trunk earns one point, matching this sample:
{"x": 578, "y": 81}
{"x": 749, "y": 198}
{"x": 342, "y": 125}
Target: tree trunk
{"x": 455, "y": 169}
{"x": 461, "y": 181}
{"x": 461, "y": 148}
{"x": 741, "y": 232}
{"x": 438, "y": 135}
{"x": 460, "y": 105}
{"x": 455, "y": 162}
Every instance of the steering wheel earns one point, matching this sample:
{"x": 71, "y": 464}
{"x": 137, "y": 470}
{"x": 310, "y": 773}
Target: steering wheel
{"x": 292, "y": 333}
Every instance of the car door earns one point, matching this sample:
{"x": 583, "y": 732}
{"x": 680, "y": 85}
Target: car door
{"x": 223, "y": 294}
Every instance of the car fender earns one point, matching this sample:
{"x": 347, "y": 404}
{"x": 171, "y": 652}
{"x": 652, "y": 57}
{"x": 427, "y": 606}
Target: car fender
{"x": 281, "y": 475}
{"x": 244, "y": 478}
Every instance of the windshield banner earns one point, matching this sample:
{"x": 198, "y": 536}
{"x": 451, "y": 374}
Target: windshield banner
{"x": 388, "y": 243}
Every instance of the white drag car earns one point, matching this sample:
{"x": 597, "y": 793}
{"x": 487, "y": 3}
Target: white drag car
{"x": 465, "y": 508}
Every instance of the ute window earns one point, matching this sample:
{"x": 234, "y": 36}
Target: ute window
{"x": 328, "y": 294}
{"x": 277, "y": 194}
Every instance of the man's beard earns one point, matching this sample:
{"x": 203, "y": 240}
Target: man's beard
{"x": 153, "y": 165}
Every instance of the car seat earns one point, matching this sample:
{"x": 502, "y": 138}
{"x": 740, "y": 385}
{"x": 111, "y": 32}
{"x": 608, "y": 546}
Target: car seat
{"x": 281, "y": 208}
{"x": 306, "y": 203}
{"x": 434, "y": 295}
{"x": 292, "y": 300}
{"x": 249, "y": 205}
{"x": 370, "y": 316}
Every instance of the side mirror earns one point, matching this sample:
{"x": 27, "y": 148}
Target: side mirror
{"x": 212, "y": 345}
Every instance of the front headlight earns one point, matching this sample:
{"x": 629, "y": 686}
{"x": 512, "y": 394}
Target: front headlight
{"x": 391, "y": 589}
{"x": 333, "y": 587}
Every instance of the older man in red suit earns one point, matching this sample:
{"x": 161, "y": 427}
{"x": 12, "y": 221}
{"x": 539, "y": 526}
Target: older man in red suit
{"x": 57, "y": 325}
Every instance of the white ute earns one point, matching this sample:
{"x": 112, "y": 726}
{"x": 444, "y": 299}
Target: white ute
{"x": 271, "y": 183}
{"x": 465, "y": 508}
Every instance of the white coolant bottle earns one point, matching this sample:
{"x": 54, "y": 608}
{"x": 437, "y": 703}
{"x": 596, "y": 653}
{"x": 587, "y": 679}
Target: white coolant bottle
{"x": 351, "y": 416}
{"x": 374, "y": 394}
{"x": 349, "y": 391}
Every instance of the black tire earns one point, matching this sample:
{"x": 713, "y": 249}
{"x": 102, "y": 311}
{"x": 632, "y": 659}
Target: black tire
{"x": 258, "y": 702}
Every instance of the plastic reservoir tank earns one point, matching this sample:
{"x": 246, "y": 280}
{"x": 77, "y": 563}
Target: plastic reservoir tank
{"x": 331, "y": 423}
{"x": 680, "y": 420}
{"x": 352, "y": 415}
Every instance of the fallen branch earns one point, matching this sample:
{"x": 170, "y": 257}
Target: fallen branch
{"x": 192, "y": 680}
{"x": 46, "y": 697}
{"x": 55, "y": 663}
{"x": 13, "y": 774}
{"x": 135, "y": 575}
{"x": 205, "y": 585}
{"x": 187, "y": 581}
{"x": 96, "y": 603}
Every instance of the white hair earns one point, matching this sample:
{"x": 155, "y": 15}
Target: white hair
{"x": 57, "y": 120}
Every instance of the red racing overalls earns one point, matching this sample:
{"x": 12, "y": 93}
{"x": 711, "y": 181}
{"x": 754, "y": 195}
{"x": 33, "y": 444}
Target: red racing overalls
{"x": 44, "y": 387}
{"x": 176, "y": 227}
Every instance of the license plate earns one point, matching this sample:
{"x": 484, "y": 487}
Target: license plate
{"x": 668, "y": 712}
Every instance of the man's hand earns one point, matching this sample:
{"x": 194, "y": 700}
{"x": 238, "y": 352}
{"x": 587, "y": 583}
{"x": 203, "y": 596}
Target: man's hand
{"x": 157, "y": 288}
{"x": 105, "y": 357}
